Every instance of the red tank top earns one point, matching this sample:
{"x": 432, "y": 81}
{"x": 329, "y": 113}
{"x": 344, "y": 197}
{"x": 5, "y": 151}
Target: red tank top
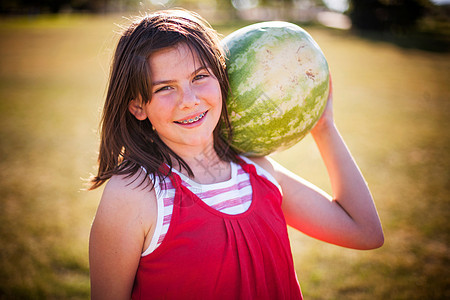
{"x": 207, "y": 254}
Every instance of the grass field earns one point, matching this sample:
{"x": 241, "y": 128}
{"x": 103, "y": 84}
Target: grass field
{"x": 391, "y": 104}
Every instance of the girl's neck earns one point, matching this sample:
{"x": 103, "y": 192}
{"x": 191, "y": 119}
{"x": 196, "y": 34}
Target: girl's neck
{"x": 206, "y": 165}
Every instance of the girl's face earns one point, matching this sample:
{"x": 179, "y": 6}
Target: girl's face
{"x": 186, "y": 99}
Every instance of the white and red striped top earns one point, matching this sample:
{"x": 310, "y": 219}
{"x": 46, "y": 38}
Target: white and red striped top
{"x": 233, "y": 197}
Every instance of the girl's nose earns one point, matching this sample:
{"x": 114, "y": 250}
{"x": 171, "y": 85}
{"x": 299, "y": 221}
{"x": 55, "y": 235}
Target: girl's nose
{"x": 188, "y": 98}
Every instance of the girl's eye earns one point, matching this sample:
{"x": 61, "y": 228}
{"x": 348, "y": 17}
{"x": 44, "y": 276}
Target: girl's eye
{"x": 200, "y": 76}
{"x": 164, "y": 88}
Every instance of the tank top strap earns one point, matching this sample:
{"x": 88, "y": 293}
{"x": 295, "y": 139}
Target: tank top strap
{"x": 183, "y": 196}
{"x": 248, "y": 168}
{"x": 251, "y": 170}
{"x": 174, "y": 178}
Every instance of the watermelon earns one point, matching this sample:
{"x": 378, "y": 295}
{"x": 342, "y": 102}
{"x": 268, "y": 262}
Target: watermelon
{"x": 279, "y": 82}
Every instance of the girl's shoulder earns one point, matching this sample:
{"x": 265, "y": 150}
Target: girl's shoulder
{"x": 133, "y": 188}
{"x": 265, "y": 167}
{"x": 124, "y": 218}
{"x": 126, "y": 198}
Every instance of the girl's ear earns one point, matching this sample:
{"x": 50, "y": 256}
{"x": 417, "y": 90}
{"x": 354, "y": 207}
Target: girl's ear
{"x": 136, "y": 109}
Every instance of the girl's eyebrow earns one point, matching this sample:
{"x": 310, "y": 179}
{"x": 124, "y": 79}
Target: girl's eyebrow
{"x": 171, "y": 81}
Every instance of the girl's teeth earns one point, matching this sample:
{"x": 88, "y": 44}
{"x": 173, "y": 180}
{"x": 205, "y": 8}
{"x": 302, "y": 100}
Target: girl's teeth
{"x": 193, "y": 120}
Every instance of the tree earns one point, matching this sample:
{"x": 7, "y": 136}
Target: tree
{"x": 387, "y": 15}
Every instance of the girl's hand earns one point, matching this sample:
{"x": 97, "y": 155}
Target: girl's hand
{"x": 327, "y": 117}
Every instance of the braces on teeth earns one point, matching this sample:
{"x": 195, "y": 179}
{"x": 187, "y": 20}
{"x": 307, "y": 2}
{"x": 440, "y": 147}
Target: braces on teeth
{"x": 193, "y": 120}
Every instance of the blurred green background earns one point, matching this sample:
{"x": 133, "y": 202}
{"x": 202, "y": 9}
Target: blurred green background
{"x": 391, "y": 91}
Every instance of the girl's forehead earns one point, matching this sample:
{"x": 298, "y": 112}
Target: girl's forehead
{"x": 178, "y": 58}
{"x": 180, "y": 49}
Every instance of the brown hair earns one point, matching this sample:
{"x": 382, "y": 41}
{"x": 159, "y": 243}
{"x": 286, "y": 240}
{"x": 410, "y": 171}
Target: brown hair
{"x": 128, "y": 144}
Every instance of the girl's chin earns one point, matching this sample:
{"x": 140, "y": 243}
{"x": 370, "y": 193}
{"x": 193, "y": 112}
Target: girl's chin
{"x": 190, "y": 141}
{"x": 199, "y": 141}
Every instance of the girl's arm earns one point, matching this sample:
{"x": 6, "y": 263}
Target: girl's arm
{"x": 117, "y": 237}
{"x": 348, "y": 218}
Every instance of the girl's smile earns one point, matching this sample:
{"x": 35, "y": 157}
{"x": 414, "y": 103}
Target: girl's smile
{"x": 192, "y": 120}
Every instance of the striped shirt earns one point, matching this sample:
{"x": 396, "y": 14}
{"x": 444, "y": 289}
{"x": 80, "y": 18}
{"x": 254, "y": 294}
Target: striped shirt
{"x": 232, "y": 197}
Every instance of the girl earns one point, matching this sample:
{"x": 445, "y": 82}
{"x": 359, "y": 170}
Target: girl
{"x": 182, "y": 215}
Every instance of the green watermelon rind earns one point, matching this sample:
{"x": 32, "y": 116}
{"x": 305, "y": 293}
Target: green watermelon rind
{"x": 255, "y": 144}
{"x": 255, "y": 109}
